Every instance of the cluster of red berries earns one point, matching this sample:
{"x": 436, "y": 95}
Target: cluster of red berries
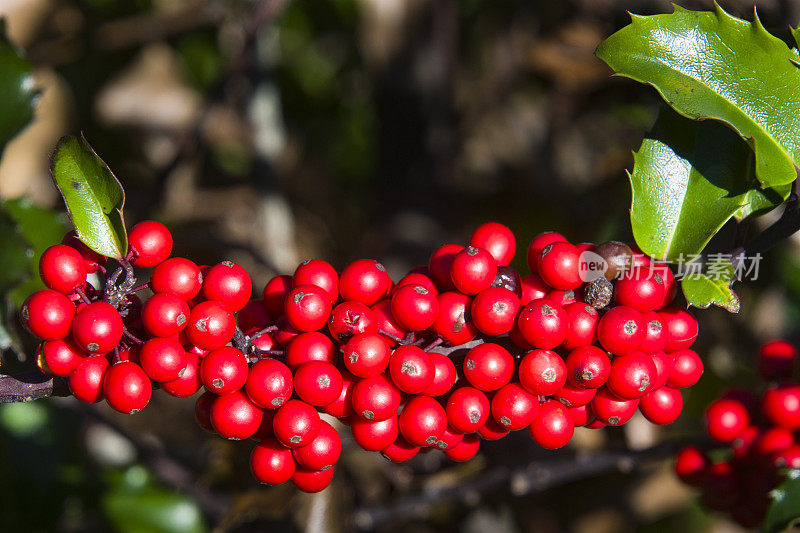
{"x": 761, "y": 438}
{"x": 460, "y": 350}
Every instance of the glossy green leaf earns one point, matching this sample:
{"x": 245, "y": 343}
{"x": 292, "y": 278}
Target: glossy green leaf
{"x": 93, "y": 196}
{"x": 712, "y": 65}
{"x": 17, "y": 94}
{"x": 784, "y": 511}
{"x": 712, "y": 287}
{"x": 688, "y": 179}
{"x": 133, "y": 504}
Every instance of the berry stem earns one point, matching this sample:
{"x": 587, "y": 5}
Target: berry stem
{"x": 436, "y": 342}
{"x": 269, "y": 329}
{"x": 241, "y": 341}
{"x": 395, "y": 338}
{"x": 85, "y": 299}
{"x": 269, "y": 353}
{"x": 133, "y": 338}
{"x": 138, "y": 288}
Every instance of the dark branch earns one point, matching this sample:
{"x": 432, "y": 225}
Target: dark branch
{"x": 31, "y": 386}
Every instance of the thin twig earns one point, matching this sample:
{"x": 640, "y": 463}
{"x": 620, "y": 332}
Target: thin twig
{"x": 31, "y": 386}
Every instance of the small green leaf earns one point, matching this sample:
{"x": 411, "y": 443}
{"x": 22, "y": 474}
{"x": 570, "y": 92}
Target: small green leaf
{"x": 784, "y": 511}
{"x": 688, "y": 179}
{"x": 93, "y": 196}
{"x": 713, "y": 287}
{"x": 17, "y": 94}
{"x": 712, "y": 65}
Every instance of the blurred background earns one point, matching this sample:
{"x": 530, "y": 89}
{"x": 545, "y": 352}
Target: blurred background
{"x": 267, "y": 132}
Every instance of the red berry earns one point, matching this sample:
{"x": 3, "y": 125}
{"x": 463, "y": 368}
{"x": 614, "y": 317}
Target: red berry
{"x": 307, "y": 308}
{"x": 542, "y": 372}
{"x": 422, "y": 421}
{"x": 229, "y": 284}
{"x": 663, "y": 362}
{"x": 189, "y": 382}
{"x": 211, "y": 325}
{"x": 543, "y": 324}
{"x": 375, "y": 398}
{"x": 655, "y": 337}
{"x": 588, "y": 367}
{"x": 91, "y": 259}
{"x": 296, "y": 424}
{"x": 691, "y": 465}
{"x": 224, "y": 370}
{"x": 581, "y": 416}
{"x": 375, "y": 435}
{"x": 574, "y": 396}
{"x": 631, "y": 375}
{"x": 449, "y": 439}
{"x": 351, "y": 318}
{"x": 611, "y": 409}
{"x": 269, "y": 383}
{"x": 62, "y": 268}
{"x": 772, "y": 441}
{"x": 681, "y": 328}
{"x": 254, "y": 316}
{"x": 488, "y": 366}
{"x": 385, "y": 321}
{"x": 538, "y": 244}
{"x": 271, "y": 462}
{"x": 61, "y": 356}
{"x": 662, "y": 406}
{"x": 776, "y": 360}
{"x": 178, "y": 276}
{"x": 640, "y": 288}
{"x": 440, "y": 265}
{"x": 726, "y": 419}
{"x": 788, "y": 458}
{"x": 48, "y": 314}
{"x": 494, "y": 311}
{"x": 275, "y": 293}
{"x": 781, "y": 406}
{"x": 492, "y": 430}
{"x": 400, "y": 451}
{"x": 202, "y": 411}
{"x": 126, "y": 387}
{"x": 465, "y": 450}
{"x": 532, "y": 288}
{"x": 553, "y": 427}
{"x": 582, "y": 329}
{"x": 687, "y": 367}
{"x": 364, "y": 281}
{"x": 320, "y": 273}
{"x": 318, "y": 383}
{"x": 508, "y": 279}
{"x": 467, "y": 409}
{"x": 514, "y": 407}
{"x": 312, "y": 480}
{"x": 444, "y": 375}
{"x": 151, "y": 243}
{"x": 165, "y": 315}
{"x": 497, "y": 239}
{"x": 558, "y": 266}
{"x": 473, "y": 270}
{"x": 414, "y": 307}
{"x": 411, "y": 369}
{"x": 621, "y": 330}
{"x": 366, "y": 355}
{"x": 86, "y": 381}
{"x": 311, "y": 346}
{"x": 235, "y": 417}
{"x": 668, "y": 278}
{"x": 416, "y": 278}
{"x": 162, "y": 359}
{"x": 97, "y": 328}
{"x": 323, "y": 451}
{"x": 453, "y": 323}
{"x": 343, "y": 406}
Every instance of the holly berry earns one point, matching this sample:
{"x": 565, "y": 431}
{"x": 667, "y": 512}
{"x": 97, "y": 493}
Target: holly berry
{"x": 150, "y": 242}
{"x": 588, "y": 367}
{"x": 422, "y": 421}
{"x": 553, "y": 427}
{"x": 411, "y": 369}
{"x": 444, "y": 376}
{"x": 61, "y": 356}
{"x": 296, "y": 424}
{"x": 224, "y": 370}
{"x": 229, "y": 284}
{"x": 655, "y": 337}
{"x": 375, "y": 398}
{"x": 307, "y": 308}
{"x": 488, "y": 366}
{"x": 781, "y": 406}
{"x": 467, "y": 409}
{"x": 320, "y": 273}
{"x": 453, "y": 323}
{"x": 662, "y": 406}
{"x": 271, "y": 462}
{"x": 165, "y": 315}
{"x": 48, "y": 314}
{"x": 366, "y": 355}
{"x": 189, "y": 381}
{"x": 611, "y": 409}
{"x": 275, "y": 292}
{"x": 631, "y": 376}
{"x": 543, "y": 324}
{"x": 538, "y": 244}
{"x": 440, "y": 265}
{"x": 342, "y": 406}
{"x": 496, "y": 239}
{"x": 687, "y": 367}
{"x": 400, "y": 451}
{"x": 542, "y": 372}
{"x": 97, "y": 328}
{"x": 582, "y": 328}
{"x": 312, "y": 480}
{"x": 640, "y": 288}
{"x": 269, "y": 383}
{"x": 91, "y": 259}
{"x": 126, "y": 387}
{"x": 558, "y": 266}
{"x": 494, "y": 311}
{"x": 414, "y": 307}
{"x": 691, "y": 465}
{"x": 310, "y": 346}
{"x": 621, "y": 330}
{"x": 726, "y": 419}
{"x": 776, "y": 360}
{"x": 86, "y": 381}
{"x": 62, "y": 268}
{"x": 351, "y": 318}
{"x": 322, "y": 452}
{"x": 375, "y": 435}
{"x": 318, "y": 383}
{"x": 364, "y": 281}
{"x": 162, "y": 359}
{"x": 177, "y": 276}
{"x": 532, "y": 287}
{"x": 514, "y": 407}
{"x": 681, "y": 328}
{"x": 235, "y": 417}
{"x": 211, "y": 325}
{"x": 473, "y": 270}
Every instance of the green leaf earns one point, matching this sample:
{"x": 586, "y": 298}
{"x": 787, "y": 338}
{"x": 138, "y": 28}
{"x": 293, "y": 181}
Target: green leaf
{"x": 134, "y": 505}
{"x": 712, "y": 65}
{"x": 784, "y": 511}
{"x": 713, "y": 287}
{"x": 17, "y": 94}
{"x": 689, "y": 178}
{"x": 93, "y": 196}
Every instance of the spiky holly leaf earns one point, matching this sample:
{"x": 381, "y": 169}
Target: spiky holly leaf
{"x": 93, "y": 196}
{"x": 784, "y": 509}
{"x": 689, "y": 178}
{"x": 712, "y": 287}
{"x": 712, "y": 65}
